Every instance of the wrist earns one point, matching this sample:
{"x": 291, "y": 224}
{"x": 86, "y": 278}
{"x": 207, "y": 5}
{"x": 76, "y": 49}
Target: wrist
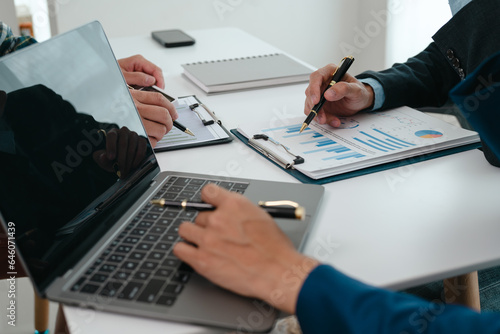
{"x": 286, "y": 280}
{"x": 370, "y": 97}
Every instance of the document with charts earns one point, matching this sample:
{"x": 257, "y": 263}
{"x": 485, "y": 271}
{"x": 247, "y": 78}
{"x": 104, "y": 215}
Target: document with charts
{"x": 364, "y": 140}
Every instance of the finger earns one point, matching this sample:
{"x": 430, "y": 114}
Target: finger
{"x": 141, "y": 150}
{"x": 333, "y": 120}
{"x": 191, "y": 232}
{"x": 121, "y": 157}
{"x": 153, "y": 141}
{"x": 133, "y": 139}
{"x": 156, "y": 114}
{"x": 155, "y": 99}
{"x": 339, "y": 91}
{"x": 189, "y": 254}
{"x": 111, "y": 142}
{"x": 139, "y": 78}
{"x": 214, "y": 195}
{"x": 202, "y": 219}
{"x": 148, "y": 67}
{"x": 155, "y": 130}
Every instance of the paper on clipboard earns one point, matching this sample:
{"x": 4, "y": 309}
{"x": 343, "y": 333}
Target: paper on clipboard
{"x": 192, "y": 119}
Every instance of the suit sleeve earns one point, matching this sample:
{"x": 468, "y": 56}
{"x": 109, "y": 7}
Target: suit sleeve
{"x": 423, "y": 80}
{"x": 331, "y": 302}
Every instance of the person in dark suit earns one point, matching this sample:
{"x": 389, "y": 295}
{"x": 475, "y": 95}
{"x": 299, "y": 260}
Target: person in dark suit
{"x": 426, "y": 79}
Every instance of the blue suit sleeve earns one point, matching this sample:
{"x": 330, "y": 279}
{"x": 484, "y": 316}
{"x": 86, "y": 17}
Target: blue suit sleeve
{"x": 330, "y": 301}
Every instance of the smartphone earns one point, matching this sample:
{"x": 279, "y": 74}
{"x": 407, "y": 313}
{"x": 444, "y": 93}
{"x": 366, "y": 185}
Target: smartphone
{"x": 172, "y": 38}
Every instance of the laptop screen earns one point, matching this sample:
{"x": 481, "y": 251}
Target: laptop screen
{"x": 71, "y": 144}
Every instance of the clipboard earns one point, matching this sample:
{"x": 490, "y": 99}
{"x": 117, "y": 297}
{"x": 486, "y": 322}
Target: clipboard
{"x": 200, "y": 120}
{"x": 373, "y": 169}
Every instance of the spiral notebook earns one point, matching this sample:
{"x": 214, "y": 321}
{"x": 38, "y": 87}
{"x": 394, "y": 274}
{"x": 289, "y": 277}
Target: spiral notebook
{"x": 225, "y": 75}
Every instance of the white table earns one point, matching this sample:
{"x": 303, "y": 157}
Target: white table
{"x": 395, "y": 229}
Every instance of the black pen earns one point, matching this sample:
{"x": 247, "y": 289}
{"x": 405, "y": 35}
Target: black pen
{"x": 183, "y": 128}
{"x": 277, "y": 209}
{"x": 336, "y": 77}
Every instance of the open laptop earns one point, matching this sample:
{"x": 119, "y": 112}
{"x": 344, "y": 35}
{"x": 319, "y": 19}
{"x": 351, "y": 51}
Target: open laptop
{"x": 84, "y": 227}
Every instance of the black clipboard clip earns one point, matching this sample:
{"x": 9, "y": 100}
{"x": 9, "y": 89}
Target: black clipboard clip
{"x": 204, "y": 121}
{"x": 210, "y": 112}
{"x": 297, "y": 159}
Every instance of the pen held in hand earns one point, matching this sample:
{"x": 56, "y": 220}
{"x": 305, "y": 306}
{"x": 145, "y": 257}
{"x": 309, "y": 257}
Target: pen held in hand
{"x": 183, "y": 128}
{"x": 278, "y": 209}
{"x": 336, "y": 77}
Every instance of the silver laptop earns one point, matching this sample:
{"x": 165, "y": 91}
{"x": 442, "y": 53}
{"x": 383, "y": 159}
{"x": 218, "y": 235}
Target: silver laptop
{"x": 84, "y": 227}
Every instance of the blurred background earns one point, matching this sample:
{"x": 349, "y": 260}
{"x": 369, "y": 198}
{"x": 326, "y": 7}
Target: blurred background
{"x": 377, "y": 32}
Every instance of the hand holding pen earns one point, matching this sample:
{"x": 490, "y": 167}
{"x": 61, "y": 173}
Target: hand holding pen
{"x": 344, "y": 98}
{"x": 157, "y": 112}
{"x": 338, "y": 74}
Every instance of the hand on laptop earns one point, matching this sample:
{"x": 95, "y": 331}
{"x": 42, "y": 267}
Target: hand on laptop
{"x": 240, "y": 248}
{"x": 157, "y": 113}
{"x": 345, "y": 98}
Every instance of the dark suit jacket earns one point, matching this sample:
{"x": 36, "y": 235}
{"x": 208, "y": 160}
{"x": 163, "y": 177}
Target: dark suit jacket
{"x": 470, "y": 37}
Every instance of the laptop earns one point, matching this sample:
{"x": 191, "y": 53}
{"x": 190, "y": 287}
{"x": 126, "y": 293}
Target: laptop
{"x": 84, "y": 227}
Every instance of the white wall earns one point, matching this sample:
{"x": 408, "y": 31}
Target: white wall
{"x": 412, "y": 25}
{"x": 8, "y": 15}
{"x": 317, "y": 31}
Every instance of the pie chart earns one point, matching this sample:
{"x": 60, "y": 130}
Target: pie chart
{"x": 428, "y": 134}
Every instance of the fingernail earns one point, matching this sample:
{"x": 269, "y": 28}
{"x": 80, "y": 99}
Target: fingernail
{"x": 320, "y": 118}
{"x": 330, "y": 93}
{"x": 150, "y": 80}
{"x": 335, "y": 123}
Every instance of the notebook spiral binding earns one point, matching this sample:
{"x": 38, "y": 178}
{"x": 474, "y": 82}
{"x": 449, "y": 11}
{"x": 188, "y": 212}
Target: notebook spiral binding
{"x": 231, "y": 59}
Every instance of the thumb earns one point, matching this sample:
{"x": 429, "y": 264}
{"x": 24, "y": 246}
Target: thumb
{"x": 338, "y": 91}
{"x": 139, "y": 78}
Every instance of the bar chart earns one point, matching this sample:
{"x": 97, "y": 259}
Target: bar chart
{"x": 313, "y": 144}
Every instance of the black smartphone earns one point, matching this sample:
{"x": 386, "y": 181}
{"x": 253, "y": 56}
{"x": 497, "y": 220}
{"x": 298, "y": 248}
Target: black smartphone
{"x": 172, "y": 38}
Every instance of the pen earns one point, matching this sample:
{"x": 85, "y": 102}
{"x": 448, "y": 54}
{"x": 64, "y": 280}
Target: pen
{"x": 276, "y": 209}
{"x": 157, "y": 89}
{"x": 336, "y": 77}
{"x": 183, "y": 128}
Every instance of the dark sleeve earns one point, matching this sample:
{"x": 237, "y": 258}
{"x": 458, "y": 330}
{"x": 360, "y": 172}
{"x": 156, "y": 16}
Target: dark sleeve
{"x": 470, "y": 36}
{"x": 423, "y": 80}
{"x": 330, "y": 302}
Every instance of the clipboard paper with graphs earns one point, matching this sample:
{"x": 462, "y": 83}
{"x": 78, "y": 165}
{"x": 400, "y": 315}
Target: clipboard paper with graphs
{"x": 364, "y": 143}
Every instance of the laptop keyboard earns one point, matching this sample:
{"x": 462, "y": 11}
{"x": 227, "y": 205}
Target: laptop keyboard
{"x": 139, "y": 264}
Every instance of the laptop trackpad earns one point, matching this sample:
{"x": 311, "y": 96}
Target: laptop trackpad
{"x": 206, "y": 302}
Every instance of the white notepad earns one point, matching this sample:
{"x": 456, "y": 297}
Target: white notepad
{"x": 244, "y": 73}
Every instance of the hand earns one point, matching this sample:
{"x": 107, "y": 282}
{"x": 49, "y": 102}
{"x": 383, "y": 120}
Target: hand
{"x": 157, "y": 113}
{"x": 137, "y": 70}
{"x": 240, "y": 247}
{"x": 124, "y": 152}
{"x": 345, "y": 98}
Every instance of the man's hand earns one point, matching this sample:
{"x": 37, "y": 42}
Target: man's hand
{"x": 345, "y": 98}
{"x": 157, "y": 112}
{"x": 240, "y": 247}
{"x": 137, "y": 70}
